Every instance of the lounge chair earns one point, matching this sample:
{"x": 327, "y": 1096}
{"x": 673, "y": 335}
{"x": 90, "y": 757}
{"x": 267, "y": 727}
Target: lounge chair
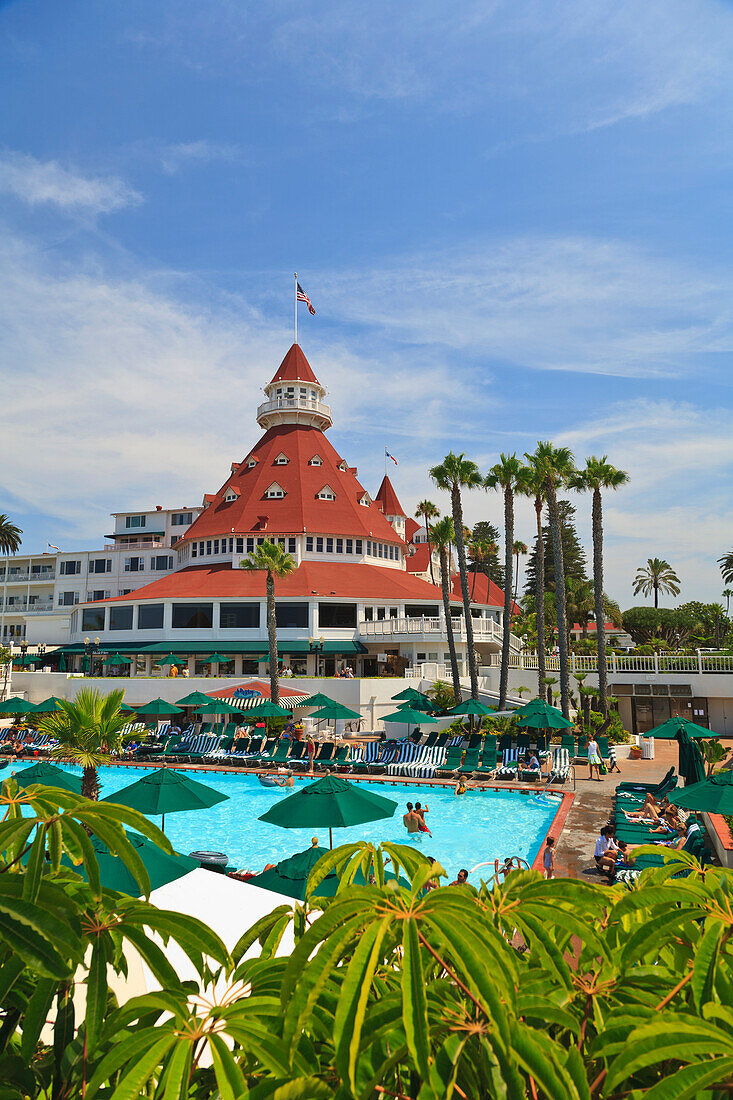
{"x": 452, "y": 761}
{"x": 406, "y": 754}
{"x": 560, "y": 769}
{"x": 657, "y": 789}
{"x": 508, "y": 769}
{"x": 567, "y": 742}
{"x": 523, "y": 740}
{"x": 370, "y": 753}
{"x": 430, "y": 741}
{"x": 505, "y": 743}
{"x": 280, "y": 754}
{"x": 488, "y": 759}
{"x": 298, "y": 755}
{"x": 581, "y": 753}
{"x": 265, "y": 755}
{"x": 470, "y": 761}
{"x": 341, "y": 757}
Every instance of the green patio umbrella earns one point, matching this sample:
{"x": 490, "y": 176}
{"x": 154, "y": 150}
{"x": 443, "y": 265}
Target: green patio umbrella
{"x": 171, "y": 659}
{"x": 333, "y": 711}
{"x": 472, "y": 706}
{"x": 290, "y": 876}
{"x": 218, "y": 706}
{"x": 409, "y": 717}
{"x": 267, "y": 709}
{"x": 532, "y": 705}
{"x": 330, "y": 803}
{"x": 195, "y": 699}
{"x": 161, "y": 867}
{"x": 317, "y": 700}
{"x": 423, "y": 705}
{"x": 712, "y": 796}
{"x": 50, "y": 776}
{"x": 542, "y": 717}
{"x": 17, "y": 706}
{"x": 691, "y": 764}
{"x": 217, "y": 658}
{"x": 158, "y": 706}
{"x": 127, "y": 709}
{"x": 166, "y": 792}
{"x": 49, "y": 706}
{"x": 411, "y": 695}
{"x": 672, "y": 727}
{"x": 117, "y": 659}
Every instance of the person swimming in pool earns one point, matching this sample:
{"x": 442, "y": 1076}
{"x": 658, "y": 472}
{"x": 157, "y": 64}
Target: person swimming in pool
{"x": 460, "y": 787}
{"x": 420, "y": 811}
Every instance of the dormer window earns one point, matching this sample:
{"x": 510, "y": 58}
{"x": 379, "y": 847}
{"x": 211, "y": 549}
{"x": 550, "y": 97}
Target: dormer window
{"x": 275, "y": 492}
{"x": 326, "y": 493}
{"x": 343, "y": 466}
{"x": 230, "y": 495}
{"x": 315, "y": 461}
{"x": 281, "y": 460}
{"x": 364, "y": 500}
{"x": 251, "y": 463}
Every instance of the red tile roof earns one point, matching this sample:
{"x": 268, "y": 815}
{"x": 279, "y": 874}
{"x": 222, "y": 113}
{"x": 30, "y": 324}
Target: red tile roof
{"x": 259, "y": 686}
{"x": 311, "y": 578}
{"x": 295, "y": 368}
{"x": 484, "y": 590}
{"x": 299, "y": 510}
{"x": 411, "y": 526}
{"x": 419, "y": 560}
{"x": 387, "y": 497}
{"x": 592, "y": 626}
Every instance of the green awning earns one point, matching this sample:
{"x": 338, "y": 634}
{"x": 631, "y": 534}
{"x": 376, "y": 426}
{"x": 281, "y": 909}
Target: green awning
{"x": 204, "y": 648}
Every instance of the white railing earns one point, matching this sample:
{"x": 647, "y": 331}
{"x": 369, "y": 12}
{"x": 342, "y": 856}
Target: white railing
{"x": 295, "y": 403}
{"x": 23, "y": 578}
{"x": 483, "y": 629}
{"x": 646, "y": 663}
{"x": 156, "y": 544}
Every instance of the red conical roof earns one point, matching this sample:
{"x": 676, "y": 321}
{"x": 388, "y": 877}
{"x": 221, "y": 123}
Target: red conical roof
{"x": 295, "y": 368}
{"x": 387, "y": 497}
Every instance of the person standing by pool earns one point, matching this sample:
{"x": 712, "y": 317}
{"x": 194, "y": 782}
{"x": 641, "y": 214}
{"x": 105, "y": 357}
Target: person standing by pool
{"x": 548, "y": 857}
{"x": 410, "y": 820}
{"x": 594, "y": 759}
{"x": 310, "y": 748}
{"x": 420, "y": 811}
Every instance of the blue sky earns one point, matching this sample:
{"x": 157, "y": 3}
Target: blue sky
{"x": 513, "y": 219}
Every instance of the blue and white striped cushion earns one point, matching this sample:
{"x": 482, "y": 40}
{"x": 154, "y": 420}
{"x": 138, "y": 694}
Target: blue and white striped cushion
{"x": 511, "y": 756}
{"x": 407, "y": 753}
{"x": 427, "y": 764}
{"x": 560, "y": 765}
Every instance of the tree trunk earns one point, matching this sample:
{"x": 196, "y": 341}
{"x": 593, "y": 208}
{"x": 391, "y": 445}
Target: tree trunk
{"x": 445, "y": 583}
{"x": 507, "y": 623}
{"x": 516, "y": 578}
{"x": 90, "y": 784}
{"x": 540, "y": 599}
{"x": 656, "y": 594}
{"x": 461, "y": 548}
{"x": 430, "y": 549}
{"x": 598, "y": 594}
{"x": 272, "y": 639}
{"x": 562, "y": 623}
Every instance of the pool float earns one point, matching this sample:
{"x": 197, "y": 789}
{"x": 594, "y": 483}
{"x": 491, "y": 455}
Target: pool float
{"x": 268, "y": 781}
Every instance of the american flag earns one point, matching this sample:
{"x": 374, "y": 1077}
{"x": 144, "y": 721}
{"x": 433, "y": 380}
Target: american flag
{"x": 303, "y": 297}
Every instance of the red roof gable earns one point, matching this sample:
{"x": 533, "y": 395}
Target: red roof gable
{"x": 299, "y": 509}
{"x": 295, "y": 368}
{"x": 259, "y": 686}
{"x": 419, "y": 560}
{"x": 311, "y": 578}
{"x": 411, "y": 526}
{"x": 484, "y": 590}
{"x": 387, "y": 497}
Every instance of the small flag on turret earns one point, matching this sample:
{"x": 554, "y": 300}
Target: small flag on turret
{"x": 388, "y": 455}
{"x": 303, "y": 297}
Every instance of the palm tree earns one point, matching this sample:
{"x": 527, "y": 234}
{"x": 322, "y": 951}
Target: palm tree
{"x": 87, "y": 730}
{"x": 442, "y": 534}
{"x": 657, "y": 576}
{"x": 531, "y": 484}
{"x": 426, "y": 511}
{"x": 599, "y": 474}
{"x": 505, "y": 476}
{"x": 275, "y": 562}
{"x": 726, "y": 567}
{"x": 6, "y": 663}
{"x": 10, "y": 539}
{"x": 727, "y": 592}
{"x": 518, "y": 548}
{"x": 454, "y": 473}
{"x": 555, "y": 464}
{"x": 480, "y": 551}
{"x": 580, "y": 604}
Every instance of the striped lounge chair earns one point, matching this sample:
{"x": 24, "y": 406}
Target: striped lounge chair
{"x": 407, "y": 753}
{"x": 385, "y": 758}
{"x": 560, "y": 765}
{"x": 370, "y": 754}
{"x": 510, "y": 764}
{"x": 426, "y": 765}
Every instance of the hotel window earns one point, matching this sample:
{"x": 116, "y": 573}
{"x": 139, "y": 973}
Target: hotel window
{"x": 124, "y": 591}
{"x": 291, "y": 615}
{"x": 134, "y": 565}
{"x": 336, "y": 616}
{"x": 319, "y": 545}
{"x": 229, "y": 496}
{"x": 240, "y": 546}
{"x": 393, "y": 612}
{"x": 250, "y": 546}
{"x": 150, "y": 616}
{"x": 380, "y": 549}
{"x": 231, "y": 545}
{"x": 281, "y": 460}
{"x": 216, "y": 546}
{"x": 97, "y": 594}
{"x": 358, "y": 546}
{"x": 68, "y": 599}
{"x": 339, "y": 546}
{"x": 120, "y": 618}
{"x": 275, "y": 492}
{"x": 181, "y": 519}
{"x": 208, "y": 546}
{"x": 261, "y": 542}
{"x": 315, "y": 461}
{"x": 329, "y": 546}
{"x": 281, "y": 543}
{"x": 309, "y": 543}
{"x": 69, "y": 567}
{"x": 100, "y": 565}
{"x": 368, "y": 614}
{"x": 194, "y": 550}
{"x": 291, "y": 546}
{"x": 251, "y": 463}
{"x": 92, "y": 618}
{"x": 134, "y": 521}
{"x": 239, "y": 616}
{"x": 193, "y": 616}
{"x": 326, "y": 493}
{"x": 201, "y": 549}
{"x": 369, "y": 548}
{"x": 381, "y": 613}
{"x": 161, "y": 562}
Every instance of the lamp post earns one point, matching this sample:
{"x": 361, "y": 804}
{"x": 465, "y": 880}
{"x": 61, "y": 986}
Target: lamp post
{"x": 23, "y": 651}
{"x": 90, "y": 649}
{"x": 315, "y": 645}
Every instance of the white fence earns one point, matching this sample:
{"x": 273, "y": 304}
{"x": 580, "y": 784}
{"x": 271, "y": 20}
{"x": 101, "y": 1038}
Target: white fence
{"x": 483, "y": 629}
{"x": 654, "y": 663}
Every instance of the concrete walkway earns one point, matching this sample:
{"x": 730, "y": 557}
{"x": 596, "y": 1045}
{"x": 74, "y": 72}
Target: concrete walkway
{"x": 592, "y": 809}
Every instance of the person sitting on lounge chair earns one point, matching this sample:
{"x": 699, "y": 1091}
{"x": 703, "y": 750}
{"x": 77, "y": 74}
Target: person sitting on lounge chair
{"x": 606, "y": 851}
{"x": 650, "y": 811}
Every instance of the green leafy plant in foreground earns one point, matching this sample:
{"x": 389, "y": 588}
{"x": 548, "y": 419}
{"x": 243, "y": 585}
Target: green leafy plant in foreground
{"x": 525, "y": 988}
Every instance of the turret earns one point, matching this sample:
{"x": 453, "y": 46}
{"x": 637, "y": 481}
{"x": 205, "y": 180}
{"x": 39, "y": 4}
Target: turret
{"x": 294, "y": 396}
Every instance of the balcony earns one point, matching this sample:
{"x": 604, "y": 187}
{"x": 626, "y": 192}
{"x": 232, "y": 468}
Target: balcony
{"x": 24, "y": 578}
{"x": 25, "y": 608}
{"x": 415, "y": 628}
{"x": 301, "y": 410}
{"x": 150, "y": 544}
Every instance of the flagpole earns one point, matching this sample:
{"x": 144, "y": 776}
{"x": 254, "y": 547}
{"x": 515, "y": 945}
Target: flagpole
{"x": 295, "y": 309}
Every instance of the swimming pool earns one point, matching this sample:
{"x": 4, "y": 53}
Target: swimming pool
{"x": 477, "y": 827}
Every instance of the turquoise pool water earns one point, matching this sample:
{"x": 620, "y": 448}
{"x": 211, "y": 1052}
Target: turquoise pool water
{"x": 477, "y": 827}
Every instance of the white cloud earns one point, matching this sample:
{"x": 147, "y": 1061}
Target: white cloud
{"x": 566, "y": 303}
{"x": 47, "y": 183}
{"x": 173, "y": 157}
